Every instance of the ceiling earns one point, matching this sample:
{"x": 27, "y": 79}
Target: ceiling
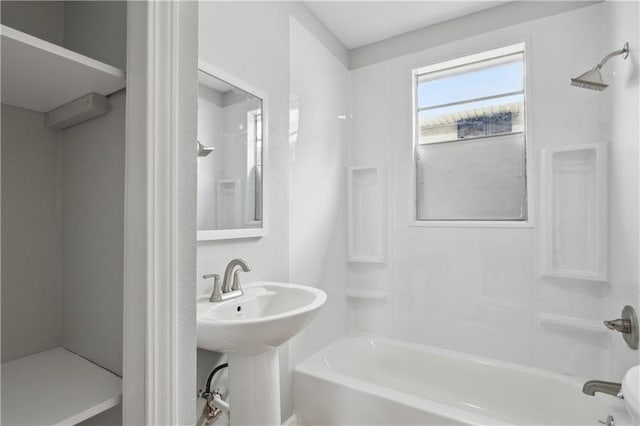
{"x": 357, "y": 23}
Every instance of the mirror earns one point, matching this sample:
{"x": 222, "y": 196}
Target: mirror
{"x": 230, "y": 145}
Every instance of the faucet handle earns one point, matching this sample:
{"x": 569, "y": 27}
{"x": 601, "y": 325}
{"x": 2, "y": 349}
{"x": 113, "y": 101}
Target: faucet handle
{"x": 236, "y": 281}
{"x": 216, "y": 294}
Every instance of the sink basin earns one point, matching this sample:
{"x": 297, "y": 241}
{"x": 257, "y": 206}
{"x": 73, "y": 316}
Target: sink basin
{"x": 264, "y": 317}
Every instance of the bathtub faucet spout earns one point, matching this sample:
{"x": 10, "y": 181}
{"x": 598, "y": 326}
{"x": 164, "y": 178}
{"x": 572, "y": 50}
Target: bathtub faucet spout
{"x": 610, "y": 388}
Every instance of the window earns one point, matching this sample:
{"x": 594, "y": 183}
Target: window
{"x": 470, "y": 151}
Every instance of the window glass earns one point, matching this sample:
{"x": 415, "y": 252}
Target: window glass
{"x": 470, "y": 141}
{"x": 473, "y": 81}
{"x": 480, "y": 179}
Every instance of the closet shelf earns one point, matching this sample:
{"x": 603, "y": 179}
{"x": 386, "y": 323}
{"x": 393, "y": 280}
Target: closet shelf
{"x": 366, "y": 294}
{"x": 41, "y": 76}
{"x": 565, "y": 321}
{"x": 56, "y": 387}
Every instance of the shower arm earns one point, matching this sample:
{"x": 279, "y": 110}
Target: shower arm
{"x": 624, "y": 52}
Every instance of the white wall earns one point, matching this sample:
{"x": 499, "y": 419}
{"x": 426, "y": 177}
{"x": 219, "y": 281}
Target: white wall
{"x": 31, "y": 234}
{"x": 250, "y": 40}
{"x": 92, "y": 236}
{"x": 621, "y": 110}
{"x": 319, "y": 90}
{"x": 43, "y": 19}
{"x": 478, "y": 290}
{"x": 501, "y": 16}
{"x": 210, "y": 168}
{"x": 97, "y": 29}
{"x": 236, "y": 139}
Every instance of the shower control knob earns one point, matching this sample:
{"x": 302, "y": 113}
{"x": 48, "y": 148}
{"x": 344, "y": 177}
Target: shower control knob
{"x": 627, "y": 325}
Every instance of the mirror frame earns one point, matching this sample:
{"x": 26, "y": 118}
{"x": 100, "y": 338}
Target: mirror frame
{"x": 229, "y": 234}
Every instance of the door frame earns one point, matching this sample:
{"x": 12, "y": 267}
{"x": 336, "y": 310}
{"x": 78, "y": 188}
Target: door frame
{"x": 159, "y": 354}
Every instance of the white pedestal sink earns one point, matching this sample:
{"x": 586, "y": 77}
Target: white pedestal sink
{"x": 250, "y": 328}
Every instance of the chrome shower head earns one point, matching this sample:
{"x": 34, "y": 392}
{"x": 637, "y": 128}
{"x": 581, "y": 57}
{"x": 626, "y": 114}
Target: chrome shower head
{"x": 592, "y": 79}
{"x": 203, "y": 151}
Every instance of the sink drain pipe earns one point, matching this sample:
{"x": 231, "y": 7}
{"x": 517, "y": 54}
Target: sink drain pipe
{"x": 215, "y": 405}
{"x": 219, "y": 402}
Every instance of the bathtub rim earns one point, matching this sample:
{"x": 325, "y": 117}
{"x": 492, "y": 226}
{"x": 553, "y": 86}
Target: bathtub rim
{"x": 400, "y": 398}
{"x": 476, "y": 359}
{"x": 317, "y": 366}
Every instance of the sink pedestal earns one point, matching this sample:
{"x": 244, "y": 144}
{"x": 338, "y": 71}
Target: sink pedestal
{"x": 254, "y": 389}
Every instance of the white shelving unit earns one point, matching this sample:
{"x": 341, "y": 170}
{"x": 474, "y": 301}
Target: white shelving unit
{"x": 41, "y": 76}
{"x": 569, "y": 322}
{"x": 56, "y": 387}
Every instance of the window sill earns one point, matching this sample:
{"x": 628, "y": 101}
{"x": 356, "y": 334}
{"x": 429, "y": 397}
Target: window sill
{"x": 469, "y": 224}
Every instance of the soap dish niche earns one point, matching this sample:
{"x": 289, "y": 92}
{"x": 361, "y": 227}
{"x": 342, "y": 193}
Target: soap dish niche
{"x": 367, "y": 221}
{"x": 574, "y": 218}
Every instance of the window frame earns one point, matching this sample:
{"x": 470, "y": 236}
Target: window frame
{"x": 255, "y": 162}
{"x": 519, "y": 47}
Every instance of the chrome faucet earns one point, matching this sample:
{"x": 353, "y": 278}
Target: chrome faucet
{"x": 227, "y": 286}
{"x": 610, "y": 388}
{"x": 229, "y": 289}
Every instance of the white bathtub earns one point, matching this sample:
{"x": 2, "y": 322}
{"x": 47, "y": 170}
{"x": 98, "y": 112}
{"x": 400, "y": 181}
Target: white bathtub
{"x": 361, "y": 380}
